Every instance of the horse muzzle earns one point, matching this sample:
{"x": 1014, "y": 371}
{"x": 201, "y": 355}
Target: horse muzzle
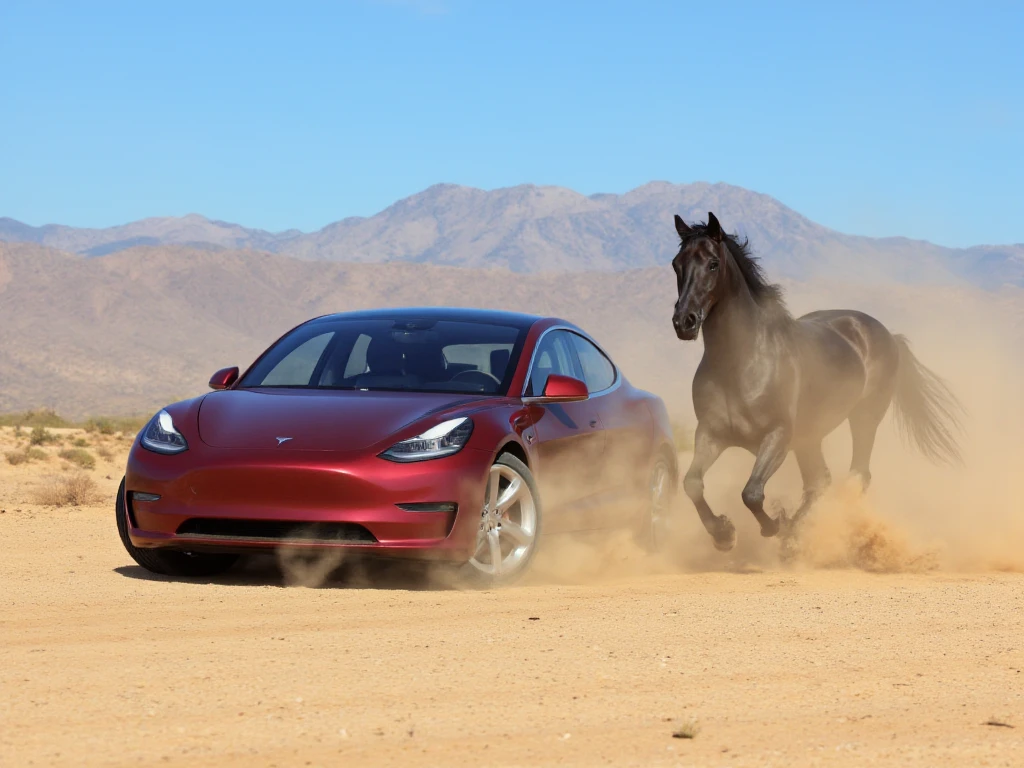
{"x": 688, "y": 326}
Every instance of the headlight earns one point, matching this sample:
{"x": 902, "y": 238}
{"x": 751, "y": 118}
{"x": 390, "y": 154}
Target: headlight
{"x": 161, "y": 436}
{"x": 446, "y": 438}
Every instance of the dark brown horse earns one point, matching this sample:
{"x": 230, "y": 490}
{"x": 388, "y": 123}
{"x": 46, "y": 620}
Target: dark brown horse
{"x": 772, "y": 383}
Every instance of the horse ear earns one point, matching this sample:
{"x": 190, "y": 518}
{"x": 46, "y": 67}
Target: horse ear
{"x": 683, "y": 230}
{"x": 714, "y": 228}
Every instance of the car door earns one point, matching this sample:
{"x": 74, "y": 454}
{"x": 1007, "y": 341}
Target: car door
{"x": 625, "y": 424}
{"x": 570, "y": 439}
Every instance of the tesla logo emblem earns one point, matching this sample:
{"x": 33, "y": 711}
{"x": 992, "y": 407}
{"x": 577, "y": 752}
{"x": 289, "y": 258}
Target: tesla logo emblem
{"x": 282, "y": 440}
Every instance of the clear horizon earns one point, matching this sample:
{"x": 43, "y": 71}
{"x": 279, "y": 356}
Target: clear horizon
{"x": 870, "y": 120}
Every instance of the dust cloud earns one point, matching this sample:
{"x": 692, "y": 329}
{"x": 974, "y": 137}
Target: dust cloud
{"x": 304, "y": 566}
{"x": 916, "y": 516}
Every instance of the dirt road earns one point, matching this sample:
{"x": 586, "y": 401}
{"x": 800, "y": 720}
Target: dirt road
{"x": 102, "y": 664}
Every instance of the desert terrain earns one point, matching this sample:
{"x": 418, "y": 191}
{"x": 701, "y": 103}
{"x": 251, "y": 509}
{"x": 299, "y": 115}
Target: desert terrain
{"x": 881, "y": 645}
{"x": 894, "y": 638}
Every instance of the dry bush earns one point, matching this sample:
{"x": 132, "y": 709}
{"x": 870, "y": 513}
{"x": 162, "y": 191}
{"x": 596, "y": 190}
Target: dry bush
{"x": 80, "y": 442}
{"x": 682, "y": 435}
{"x": 69, "y": 491}
{"x": 105, "y": 453}
{"x": 79, "y": 457}
{"x": 109, "y": 425}
{"x": 44, "y": 417}
{"x": 26, "y": 455}
{"x": 688, "y": 728}
{"x": 41, "y": 436}
{"x": 17, "y": 457}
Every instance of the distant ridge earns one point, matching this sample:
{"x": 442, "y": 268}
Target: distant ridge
{"x": 129, "y": 332}
{"x": 531, "y": 228}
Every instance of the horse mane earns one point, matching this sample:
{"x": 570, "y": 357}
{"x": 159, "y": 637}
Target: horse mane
{"x": 764, "y": 292}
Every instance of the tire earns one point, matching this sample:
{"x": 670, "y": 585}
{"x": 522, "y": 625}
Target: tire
{"x": 524, "y": 512}
{"x": 655, "y": 530}
{"x": 169, "y": 562}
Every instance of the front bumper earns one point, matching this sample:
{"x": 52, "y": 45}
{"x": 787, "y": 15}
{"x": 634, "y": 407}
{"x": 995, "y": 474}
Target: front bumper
{"x": 237, "y": 501}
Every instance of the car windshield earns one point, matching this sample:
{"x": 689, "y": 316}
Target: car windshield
{"x": 392, "y": 354}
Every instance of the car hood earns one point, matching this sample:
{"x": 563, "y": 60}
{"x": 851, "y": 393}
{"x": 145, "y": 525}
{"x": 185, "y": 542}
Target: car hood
{"x": 314, "y": 420}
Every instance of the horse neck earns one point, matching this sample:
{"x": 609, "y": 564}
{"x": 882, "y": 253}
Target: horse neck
{"x": 736, "y": 326}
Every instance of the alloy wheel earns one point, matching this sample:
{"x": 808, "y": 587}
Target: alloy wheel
{"x": 508, "y": 524}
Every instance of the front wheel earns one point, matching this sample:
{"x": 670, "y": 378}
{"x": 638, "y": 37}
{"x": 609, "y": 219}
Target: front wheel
{"x": 169, "y": 562}
{"x": 510, "y": 524}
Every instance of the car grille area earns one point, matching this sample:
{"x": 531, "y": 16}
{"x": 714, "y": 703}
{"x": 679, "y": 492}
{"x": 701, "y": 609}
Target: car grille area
{"x": 274, "y": 530}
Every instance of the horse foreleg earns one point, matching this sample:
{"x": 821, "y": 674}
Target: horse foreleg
{"x": 770, "y": 455}
{"x": 706, "y": 450}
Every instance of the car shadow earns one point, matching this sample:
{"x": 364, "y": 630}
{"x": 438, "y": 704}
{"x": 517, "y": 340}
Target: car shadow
{"x": 265, "y": 571}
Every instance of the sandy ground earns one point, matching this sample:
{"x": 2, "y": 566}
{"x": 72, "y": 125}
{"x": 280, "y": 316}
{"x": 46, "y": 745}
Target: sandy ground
{"x": 104, "y": 664}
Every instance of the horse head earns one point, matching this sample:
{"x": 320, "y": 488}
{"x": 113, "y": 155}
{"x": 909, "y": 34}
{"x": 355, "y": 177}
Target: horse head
{"x": 699, "y": 269}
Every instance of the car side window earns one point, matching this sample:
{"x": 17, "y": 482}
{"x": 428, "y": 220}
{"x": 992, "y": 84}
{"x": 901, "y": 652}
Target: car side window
{"x": 554, "y": 355}
{"x": 598, "y": 371}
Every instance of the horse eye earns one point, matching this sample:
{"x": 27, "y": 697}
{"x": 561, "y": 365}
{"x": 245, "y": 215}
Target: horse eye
{"x": 713, "y": 266}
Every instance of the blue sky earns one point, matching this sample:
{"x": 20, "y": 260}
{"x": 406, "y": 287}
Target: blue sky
{"x": 887, "y": 119}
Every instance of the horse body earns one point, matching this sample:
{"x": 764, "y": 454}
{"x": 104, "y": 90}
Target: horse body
{"x": 771, "y": 383}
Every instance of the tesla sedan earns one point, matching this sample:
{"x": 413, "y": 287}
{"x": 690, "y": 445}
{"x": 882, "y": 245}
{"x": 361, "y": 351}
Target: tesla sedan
{"x": 456, "y": 435}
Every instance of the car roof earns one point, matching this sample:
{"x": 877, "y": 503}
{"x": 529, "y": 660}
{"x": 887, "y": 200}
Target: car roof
{"x": 455, "y": 314}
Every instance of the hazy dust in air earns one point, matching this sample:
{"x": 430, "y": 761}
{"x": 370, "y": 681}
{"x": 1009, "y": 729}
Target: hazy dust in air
{"x": 915, "y": 516}
{"x": 305, "y": 567}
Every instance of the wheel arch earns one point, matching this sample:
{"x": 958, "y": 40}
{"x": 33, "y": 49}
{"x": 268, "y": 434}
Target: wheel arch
{"x": 514, "y": 448}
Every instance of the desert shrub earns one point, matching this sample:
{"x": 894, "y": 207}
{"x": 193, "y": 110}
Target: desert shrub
{"x": 68, "y": 491}
{"x": 43, "y": 417}
{"x": 18, "y": 457}
{"x": 80, "y": 442}
{"x": 27, "y": 454}
{"x": 683, "y": 436}
{"x": 105, "y": 453}
{"x": 41, "y": 436}
{"x": 79, "y": 456}
{"x": 109, "y": 425}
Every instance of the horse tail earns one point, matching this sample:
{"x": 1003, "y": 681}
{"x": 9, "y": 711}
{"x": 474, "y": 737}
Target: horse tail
{"x": 927, "y": 412}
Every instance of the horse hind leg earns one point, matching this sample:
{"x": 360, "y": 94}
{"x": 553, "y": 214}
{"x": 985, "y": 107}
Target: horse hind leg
{"x": 816, "y": 479}
{"x": 864, "y": 421}
{"x": 815, "y": 475}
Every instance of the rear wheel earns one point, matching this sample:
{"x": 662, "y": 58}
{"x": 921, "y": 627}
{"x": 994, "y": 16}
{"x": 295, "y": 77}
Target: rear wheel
{"x": 169, "y": 562}
{"x": 510, "y": 524}
{"x": 656, "y": 525}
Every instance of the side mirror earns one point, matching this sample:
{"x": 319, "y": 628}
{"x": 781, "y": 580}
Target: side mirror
{"x": 561, "y": 389}
{"x": 224, "y": 378}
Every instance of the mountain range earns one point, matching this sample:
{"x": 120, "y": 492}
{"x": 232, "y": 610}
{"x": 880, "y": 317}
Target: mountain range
{"x": 551, "y": 229}
{"x": 131, "y": 331}
{"x": 125, "y": 319}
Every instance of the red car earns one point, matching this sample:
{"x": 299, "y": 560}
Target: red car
{"x": 458, "y": 435}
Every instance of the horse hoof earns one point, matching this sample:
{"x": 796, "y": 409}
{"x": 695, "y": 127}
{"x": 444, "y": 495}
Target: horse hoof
{"x": 789, "y": 549}
{"x": 725, "y": 534}
{"x": 771, "y": 528}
